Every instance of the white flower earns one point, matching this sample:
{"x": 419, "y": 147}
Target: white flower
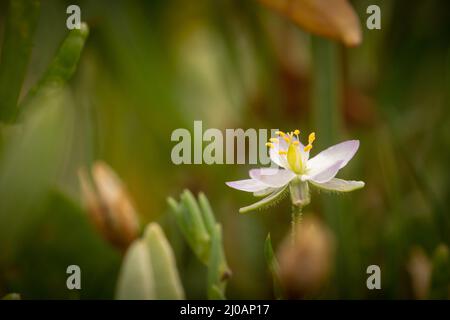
{"x": 298, "y": 171}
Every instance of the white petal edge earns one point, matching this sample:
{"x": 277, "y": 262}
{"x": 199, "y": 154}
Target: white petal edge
{"x": 343, "y": 151}
{"x": 324, "y": 174}
{"x": 248, "y": 185}
{"x": 276, "y": 158}
{"x": 340, "y": 185}
{"x": 272, "y": 177}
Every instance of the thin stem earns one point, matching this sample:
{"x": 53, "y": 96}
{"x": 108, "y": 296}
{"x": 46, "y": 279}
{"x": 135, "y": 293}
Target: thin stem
{"x": 296, "y": 219}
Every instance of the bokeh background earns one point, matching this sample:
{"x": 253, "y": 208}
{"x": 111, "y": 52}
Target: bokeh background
{"x": 150, "y": 67}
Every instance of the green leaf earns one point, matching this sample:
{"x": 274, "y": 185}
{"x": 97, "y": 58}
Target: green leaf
{"x": 167, "y": 280}
{"x": 207, "y": 213}
{"x": 273, "y": 266}
{"x": 21, "y": 22}
{"x": 196, "y": 217}
{"x": 198, "y": 225}
{"x": 190, "y": 220}
{"x": 218, "y": 271}
{"x": 63, "y": 65}
{"x": 136, "y": 280}
{"x": 149, "y": 269}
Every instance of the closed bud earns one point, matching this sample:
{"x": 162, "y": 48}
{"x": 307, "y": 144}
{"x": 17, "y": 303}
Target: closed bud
{"x": 333, "y": 19}
{"x": 306, "y": 262}
{"x": 109, "y": 206}
{"x": 419, "y": 268}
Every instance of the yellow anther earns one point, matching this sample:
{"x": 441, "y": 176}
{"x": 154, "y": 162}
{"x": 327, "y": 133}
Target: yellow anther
{"x": 295, "y": 143}
{"x": 296, "y": 132}
{"x": 269, "y": 144}
{"x": 287, "y": 139}
{"x": 308, "y": 147}
{"x": 282, "y": 152}
{"x": 312, "y": 137}
{"x": 274, "y": 140}
{"x": 280, "y": 133}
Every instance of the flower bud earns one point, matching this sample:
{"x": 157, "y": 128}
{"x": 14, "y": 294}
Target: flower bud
{"x": 419, "y": 268}
{"x": 305, "y": 263}
{"x": 109, "y": 206}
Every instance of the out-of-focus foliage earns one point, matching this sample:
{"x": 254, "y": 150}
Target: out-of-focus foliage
{"x": 149, "y": 271}
{"x": 196, "y": 221}
{"x": 149, "y": 67}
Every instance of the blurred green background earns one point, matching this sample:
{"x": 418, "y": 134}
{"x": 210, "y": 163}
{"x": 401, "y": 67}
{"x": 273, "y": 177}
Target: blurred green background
{"x": 150, "y": 67}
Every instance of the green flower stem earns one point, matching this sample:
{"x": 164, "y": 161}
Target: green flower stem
{"x": 296, "y": 219}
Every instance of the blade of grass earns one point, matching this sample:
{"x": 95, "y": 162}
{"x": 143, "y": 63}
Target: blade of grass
{"x": 273, "y": 266}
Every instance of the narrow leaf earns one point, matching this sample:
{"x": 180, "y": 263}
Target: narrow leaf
{"x": 167, "y": 281}
{"x": 136, "y": 280}
{"x": 63, "y": 65}
{"x": 218, "y": 271}
{"x": 207, "y": 213}
{"x": 273, "y": 266}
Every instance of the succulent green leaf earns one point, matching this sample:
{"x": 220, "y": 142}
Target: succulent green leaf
{"x": 218, "y": 271}
{"x": 167, "y": 281}
{"x": 136, "y": 280}
{"x": 149, "y": 269}
{"x": 63, "y": 65}
{"x": 207, "y": 213}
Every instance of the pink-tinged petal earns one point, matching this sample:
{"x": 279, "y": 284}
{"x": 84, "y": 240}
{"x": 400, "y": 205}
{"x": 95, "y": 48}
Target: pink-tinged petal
{"x": 248, "y": 185}
{"x": 272, "y": 177}
{"x": 324, "y": 174}
{"x": 343, "y": 152}
{"x": 340, "y": 185}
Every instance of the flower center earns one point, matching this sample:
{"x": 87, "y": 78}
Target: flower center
{"x": 294, "y": 155}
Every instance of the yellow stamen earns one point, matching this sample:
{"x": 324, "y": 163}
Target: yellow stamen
{"x": 270, "y": 145}
{"x": 295, "y": 143}
{"x": 308, "y": 147}
{"x": 296, "y": 132}
{"x": 282, "y": 152}
{"x": 312, "y": 137}
{"x": 287, "y": 139}
{"x": 280, "y": 133}
{"x": 274, "y": 140}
